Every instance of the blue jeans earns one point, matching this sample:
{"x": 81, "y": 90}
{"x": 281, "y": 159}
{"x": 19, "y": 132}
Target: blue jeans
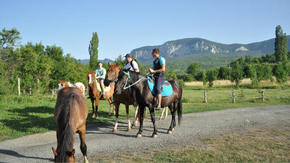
{"x": 159, "y": 80}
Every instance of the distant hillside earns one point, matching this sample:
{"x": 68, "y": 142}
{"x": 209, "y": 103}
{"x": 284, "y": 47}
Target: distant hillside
{"x": 85, "y": 61}
{"x": 209, "y": 54}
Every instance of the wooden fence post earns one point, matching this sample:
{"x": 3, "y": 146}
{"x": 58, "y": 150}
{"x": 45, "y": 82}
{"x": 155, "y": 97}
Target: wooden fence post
{"x": 19, "y": 92}
{"x": 30, "y": 92}
{"x": 37, "y": 86}
{"x": 263, "y": 95}
{"x": 233, "y": 96}
{"x": 52, "y": 92}
{"x": 204, "y": 97}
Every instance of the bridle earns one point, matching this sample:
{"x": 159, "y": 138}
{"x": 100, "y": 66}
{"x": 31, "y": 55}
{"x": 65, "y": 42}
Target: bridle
{"x": 115, "y": 78}
{"x": 128, "y": 78}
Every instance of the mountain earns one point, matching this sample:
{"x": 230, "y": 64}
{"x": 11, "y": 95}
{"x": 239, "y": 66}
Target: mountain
{"x": 209, "y": 54}
{"x": 85, "y": 61}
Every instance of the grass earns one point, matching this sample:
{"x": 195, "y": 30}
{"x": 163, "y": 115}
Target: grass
{"x": 26, "y": 115}
{"x": 253, "y": 145}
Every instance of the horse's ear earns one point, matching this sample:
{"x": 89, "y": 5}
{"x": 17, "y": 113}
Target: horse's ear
{"x": 109, "y": 64}
{"x": 118, "y": 64}
{"x": 54, "y": 152}
{"x": 70, "y": 153}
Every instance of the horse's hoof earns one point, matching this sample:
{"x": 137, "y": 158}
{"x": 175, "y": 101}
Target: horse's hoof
{"x": 173, "y": 129}
{"x": 93, "y": 116}
{"x": 169, "y": 132}
{"x": 139, "y": 136}
{"x": 86, "y": 160}
{"x": 154, "y": 135}
{"x": 115, "y": 130}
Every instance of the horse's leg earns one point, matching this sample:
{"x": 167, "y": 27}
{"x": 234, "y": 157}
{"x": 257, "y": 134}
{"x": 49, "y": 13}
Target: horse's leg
{"x": 117, "y": 105}
{"x": 141, "y": 114}
{"x": 128, "y": 118}
{"x": 152, "y": 113}
{"x": 166, "y": 113}
{"x": 97, "y": 107}
{"x": 137, "y": 112}
{"x": 93, "y": 107}
{"x": 171, "y": 127}
{"x": 111, "y": 106}
{"x": 161, "y": 115}
{"x": 83, "y": 145}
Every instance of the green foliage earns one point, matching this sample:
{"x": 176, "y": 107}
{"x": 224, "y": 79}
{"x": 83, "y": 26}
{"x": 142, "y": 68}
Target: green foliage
{"x": 171, "y": 75}
{"x": 8, "y": 38}
{"x": 211, "y": 75}
{"x": 193, "y": 69}
{"x": 280, "y": 72}
{"x": 224, "y": 73}
{"x": 237, "y": 73}
{"x": 281, "y": 45}
{"x": 93, "y": 51}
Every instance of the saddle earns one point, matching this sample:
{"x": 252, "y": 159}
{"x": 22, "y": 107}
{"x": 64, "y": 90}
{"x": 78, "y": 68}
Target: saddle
{"x": 166, "y": 89}
{"x": 98, "y": 86}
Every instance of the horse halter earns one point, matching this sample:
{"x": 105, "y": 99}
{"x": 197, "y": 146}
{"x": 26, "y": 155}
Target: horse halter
{"x": 115, "y": 78}
{"x": 128, "y": 74}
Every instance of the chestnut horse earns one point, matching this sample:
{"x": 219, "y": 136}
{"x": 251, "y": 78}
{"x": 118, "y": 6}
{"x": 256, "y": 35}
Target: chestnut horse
{"x": 94, "y": 94}
{"x": 145, "y": 98}
{"x": 123, "y": 98}
{"x": 70, "y": 113}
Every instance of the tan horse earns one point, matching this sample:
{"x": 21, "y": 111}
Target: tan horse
{"x": 94, "y": 93}
{"x": 79, "y": 85}
{"x": 70, "y": 113}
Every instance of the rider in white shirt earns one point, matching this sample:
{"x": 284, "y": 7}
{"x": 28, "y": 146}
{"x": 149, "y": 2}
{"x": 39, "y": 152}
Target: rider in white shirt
{"x": 131, "y": 64}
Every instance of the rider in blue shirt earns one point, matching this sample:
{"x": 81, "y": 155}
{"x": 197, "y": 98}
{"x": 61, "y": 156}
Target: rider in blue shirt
{"x": 158, "y": 73}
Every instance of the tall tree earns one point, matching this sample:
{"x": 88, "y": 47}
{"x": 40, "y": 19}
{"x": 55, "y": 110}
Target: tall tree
{"x": 193, "y": 69}
{"x": 281, "y": 48}
{"x": 8, "y": 38}
{"x": 93, "y": 50}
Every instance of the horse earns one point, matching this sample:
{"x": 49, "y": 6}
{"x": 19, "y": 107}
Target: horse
{"x": 79, "y": 85}
{"x": 94, "y": 94}
{"x": 123, "y": 98}
{"x": 145, "y": 98}
{"x": 70, "y": 113}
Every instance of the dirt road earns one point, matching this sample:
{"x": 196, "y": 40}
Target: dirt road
{"x": 101, "y": 141}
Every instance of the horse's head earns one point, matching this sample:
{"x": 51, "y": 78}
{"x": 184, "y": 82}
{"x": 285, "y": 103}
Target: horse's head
{"x": 64, "y": 156}
{"x": 113, "y": 72}
{"x": 61, "y": 84}
{"x": 91, "y": 77}
{"x": 123, "y": 80}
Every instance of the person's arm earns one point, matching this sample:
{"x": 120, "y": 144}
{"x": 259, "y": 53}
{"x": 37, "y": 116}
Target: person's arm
{"x": 136, "y": 67}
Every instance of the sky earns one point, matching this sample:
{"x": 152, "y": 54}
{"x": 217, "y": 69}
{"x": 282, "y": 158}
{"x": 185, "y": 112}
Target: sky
{"x": 123, "y": 25}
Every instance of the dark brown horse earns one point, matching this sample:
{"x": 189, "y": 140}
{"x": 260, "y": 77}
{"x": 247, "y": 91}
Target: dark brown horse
{"x": 123, "y": 98}
{"x": 70, "y": 113}
{"x": 94, "y": 94}
{"x": 145, "y": 98}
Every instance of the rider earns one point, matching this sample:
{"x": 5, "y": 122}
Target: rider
{"x": 158, "y": 71}
{"x": 100, "y": 76}
{"x": 131, "y": 65}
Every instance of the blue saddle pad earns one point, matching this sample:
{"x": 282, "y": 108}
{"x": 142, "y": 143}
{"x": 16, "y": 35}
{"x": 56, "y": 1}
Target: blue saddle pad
{"x": 166, "y": 89}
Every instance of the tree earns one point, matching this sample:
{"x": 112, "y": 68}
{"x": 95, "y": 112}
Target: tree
{"x": 253, "y": 74}
{"x": 280, "y": 72}
{"x": 93, "y": 51}
{"x": 193, "y": 69}
{"x": 237, "y": 73}
{"x": 171, "y": 75}
{"x": 211, "y": 75}
{"x": 8, "y": 38}
{"x": 224, "y": 73}
{"x": 281, "y": 48}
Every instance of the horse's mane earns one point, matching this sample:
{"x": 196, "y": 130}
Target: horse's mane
{"x": 66, "y": 132}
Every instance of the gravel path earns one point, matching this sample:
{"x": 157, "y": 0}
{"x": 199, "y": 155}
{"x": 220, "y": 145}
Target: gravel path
{"x": 101, "y": 141}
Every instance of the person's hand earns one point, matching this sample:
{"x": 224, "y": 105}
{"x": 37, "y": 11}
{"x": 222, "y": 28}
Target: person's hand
{"x": 150, "y": 70}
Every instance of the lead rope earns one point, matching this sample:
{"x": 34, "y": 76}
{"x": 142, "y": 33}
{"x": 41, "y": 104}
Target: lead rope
{"x": 128, "y": 74}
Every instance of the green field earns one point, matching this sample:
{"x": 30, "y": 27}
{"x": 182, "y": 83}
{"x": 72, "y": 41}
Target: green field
{"x": 26, "y": 115}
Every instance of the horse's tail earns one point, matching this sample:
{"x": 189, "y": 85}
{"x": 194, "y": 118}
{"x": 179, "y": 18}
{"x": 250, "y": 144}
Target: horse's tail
{"x": 63, "y": 124}
{"x": 179, "y": 106}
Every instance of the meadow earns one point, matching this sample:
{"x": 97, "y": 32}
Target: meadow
{"x": 27, "y": 115}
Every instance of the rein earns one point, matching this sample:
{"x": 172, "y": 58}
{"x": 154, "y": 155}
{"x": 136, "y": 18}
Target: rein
{"x": 128, "y": 74}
